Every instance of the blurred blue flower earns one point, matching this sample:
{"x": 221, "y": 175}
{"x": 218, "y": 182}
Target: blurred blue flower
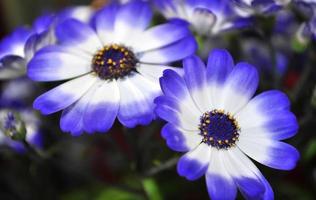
{"x": 114, "y": 66}
{"x": 10, "y": 126}
{"x": 207, "y": 17}
{"x": 286, "y": 24}
{"x": 15, "y": 115}
{"x": 12, "y": 64}
{"x": 307, "y": 29}
{"x": 17, "y": 49}
{"x": 251, "y": 7}
{"x": 213, "y": 116}
{"x": 260, "y": 55}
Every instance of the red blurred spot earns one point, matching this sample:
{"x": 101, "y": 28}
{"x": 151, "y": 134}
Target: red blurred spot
{"x": 291, "y": 79}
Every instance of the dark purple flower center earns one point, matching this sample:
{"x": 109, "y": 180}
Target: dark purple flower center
{"x": 219, "y": 129}
{"x": 113, "y": 62}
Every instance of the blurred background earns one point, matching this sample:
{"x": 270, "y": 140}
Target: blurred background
{"x": 136, "y": 164}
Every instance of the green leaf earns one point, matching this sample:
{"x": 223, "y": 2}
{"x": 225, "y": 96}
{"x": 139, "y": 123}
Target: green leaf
{"x": 117, "y": 194}
{"x": 310, "y": 151}
{"x": 299, "y": 46}
{"x": 151, "y": 188}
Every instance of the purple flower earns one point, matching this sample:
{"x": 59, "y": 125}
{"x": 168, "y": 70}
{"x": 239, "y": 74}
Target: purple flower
{"x": 18, "y": 122}
{"x": 213, "y": 116}
{"x": 208, "y": 17}
{"x": 17, "y": 49}
{"x": 251, "y": 7}
{"x": 259, "y": 54}
{"x": 112, "y": 67}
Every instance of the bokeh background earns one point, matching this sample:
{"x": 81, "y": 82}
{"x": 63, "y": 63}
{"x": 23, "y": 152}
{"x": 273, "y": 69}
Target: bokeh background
{"x": 136, "y": 164}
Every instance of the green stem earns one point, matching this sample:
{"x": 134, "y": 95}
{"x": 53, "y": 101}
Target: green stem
{"x": 165, "y": 166}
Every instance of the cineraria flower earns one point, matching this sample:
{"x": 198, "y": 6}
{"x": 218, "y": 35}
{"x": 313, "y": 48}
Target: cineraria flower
{"x": 14, "y": 124}
{"x": 17, "y": 93}
{"x": 114, "y": 67}
{"x": 81, "y": 13}
{"x": 16, "y": 118}
{"x": 258, "y": 53}
{"x": 307, "y": 30}
{"x": 12, "y": 53}
{"x": 17, "y": 49}
{"x": 207, "y": 17}
{"x": 305, "y": 1}
{"x": 212, "y": 116}
{"x": 251, "y": 7}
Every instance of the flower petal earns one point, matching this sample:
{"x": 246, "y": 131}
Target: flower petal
{"x": 78, "y": 35}
{"x": 268, "y": 152}
{"x": 177, "y": 113}
{"x": 173, "y": 52}
{"x": 246, "y": 175}
{"x": 151, "y": 38}
{"x": 194, "y": 164}
{"x": 203, "y": 20}
{"x": 12, "y": 67}
{"x": 103, "y": 108}
{"x": 154, "y": 72}
{"x": 14, "y": 43}
{"x": 173, "y": 86}
{"x": 179, "y": 139}
{"x": 268, "y": 116}
{"x": 37, "y": 42}
{"x": 81, "y": 13}
{"x": 43, "y": 23}
{"x": 132, "y": 18}
{"x": 72, "y": 117}
{"x": 136, "y": 104}
{"x": 219, "y": 66}
{"x": 241, "y": 84}
{"x": 105, "y": 28}
{"x": 195, "y": 78}
{"x": 64, "y": 95}
{"x": 220, "y": 184}
{"x": 49, "y": 65}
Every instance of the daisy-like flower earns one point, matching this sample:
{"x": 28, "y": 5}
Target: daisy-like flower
{"x": 16, "y": 118}
{"x": 17, "y": 49}
{"x": 250, "y": 7}
{"x": 307, "y": 30}
{"x": 207, "y": 17}
{"x": 14, "y": 122}
{"x": 212, "y": 116}
{"x": 114, "y": 67}
{"x": 12, "y": 53}
{"x": 258, "y": 53}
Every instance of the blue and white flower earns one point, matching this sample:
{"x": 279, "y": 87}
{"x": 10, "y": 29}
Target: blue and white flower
{"x": 251, "y": 7}
{"x": 307, "y": 30}
{"x": 15, "y": 114}
{"x": 17, "y": 93}
{"x": 310, "y": 2}
{"x": 81, "y": 13}
{"x": 17, "y": 49}
{"x": 212, "y": 116}
{"x": 208, "y": 17}
{"x": 11, "y": 123}
{"x": 12, "y": 64}
{"x": 114, "y": 66}
{"x": 259, "y": 54}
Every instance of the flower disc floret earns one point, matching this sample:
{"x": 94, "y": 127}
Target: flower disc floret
{"x": 113, "y": 62}
{"x": 219, "y": 129}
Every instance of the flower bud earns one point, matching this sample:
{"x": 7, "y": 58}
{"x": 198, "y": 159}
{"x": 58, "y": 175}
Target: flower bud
{"x": 13, "y": 126}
